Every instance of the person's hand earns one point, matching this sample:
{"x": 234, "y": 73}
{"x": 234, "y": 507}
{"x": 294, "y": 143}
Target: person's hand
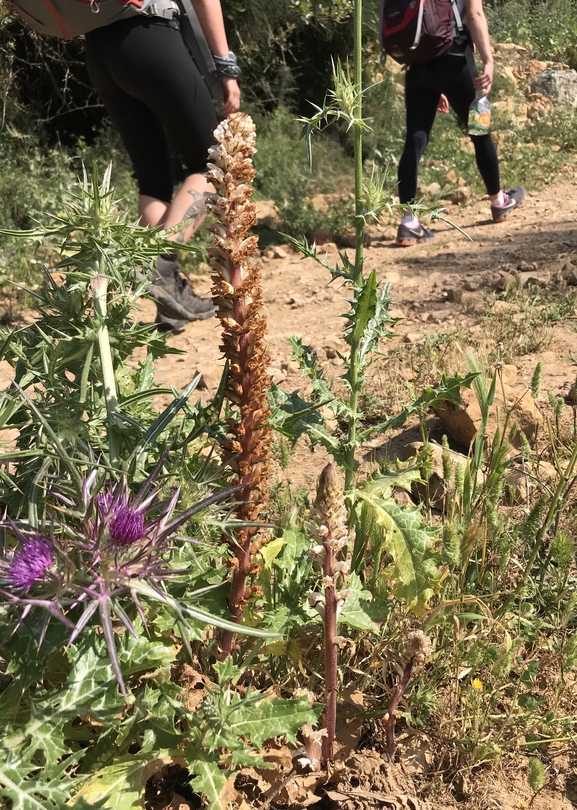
{"x": 231, "y": 95}
{"x": 443, "y": 105}
{"x": 484, "y": 82}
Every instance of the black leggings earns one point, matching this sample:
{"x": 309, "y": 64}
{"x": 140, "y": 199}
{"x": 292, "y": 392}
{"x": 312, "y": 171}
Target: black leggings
{"x": 424, "y": 84}
{"x": 150, "y": 85}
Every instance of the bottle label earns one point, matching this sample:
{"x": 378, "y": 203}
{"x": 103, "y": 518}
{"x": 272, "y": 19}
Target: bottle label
{"x": 479, "y": 119}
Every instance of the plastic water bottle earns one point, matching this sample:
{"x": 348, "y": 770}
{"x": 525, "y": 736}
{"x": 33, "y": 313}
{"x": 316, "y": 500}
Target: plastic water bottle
{"x": 480, "y": 115}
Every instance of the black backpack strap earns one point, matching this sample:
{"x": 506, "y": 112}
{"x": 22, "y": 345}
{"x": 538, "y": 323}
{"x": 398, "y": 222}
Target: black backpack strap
{"x": 195, "y": 40}
{"x": 471, "y": 60}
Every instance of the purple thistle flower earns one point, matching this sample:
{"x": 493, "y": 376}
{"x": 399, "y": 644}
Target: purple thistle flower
{"x": 127, "y": 526}
{"x": 30, "y": 563}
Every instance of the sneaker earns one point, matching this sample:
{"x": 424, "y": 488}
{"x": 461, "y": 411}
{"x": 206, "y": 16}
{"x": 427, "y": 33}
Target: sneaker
{"x": 174, "y": 298}
{"x": 406, "y": 237}
{"x": 513, "y": 199}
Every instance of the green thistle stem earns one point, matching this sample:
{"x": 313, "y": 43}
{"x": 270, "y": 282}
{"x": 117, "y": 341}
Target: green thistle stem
{"x": 99, "y": 286}
{"x": 354, "y": 375}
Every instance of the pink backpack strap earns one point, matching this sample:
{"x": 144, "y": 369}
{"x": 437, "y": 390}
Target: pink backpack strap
{"x": 57, "y": 19}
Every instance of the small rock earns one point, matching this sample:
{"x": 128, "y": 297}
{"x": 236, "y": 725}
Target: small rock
{"x": 402, "y": 497}
{"x": 523, "y": 267}
{"x": 455, "y": 294}
{"x": 505, "y": 281}
{"x": 411, "y": 337}
{"x": 202, "y": 384}
{"x": 503, "y": 306}
{"x": 560, "y": 85}
{"x": 569, "y": 275}
{"x": 437, "y": 486}
{"x": 428, "y": 191}
{"x": 290, "y": 366}
{"x": 462, "y": 422}
{"x": 470, "y": 286}
{"x": 280, "y": 252}
{"x": 537, "y": 281}
{"x": 277, "y": 375}
{"x": 349, "y": 239}
{"x": 458, "y": 195}
{"x": 516, "y": 483}
{"x": 267, "y": 214}
{"x": 509, "y": 374}
{"x": 331, "y": 352}
{"x": 321, "y": 236}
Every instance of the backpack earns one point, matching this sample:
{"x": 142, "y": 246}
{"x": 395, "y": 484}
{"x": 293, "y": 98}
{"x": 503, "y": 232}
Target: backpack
{"x": 72, "y": 18}
{"x": 416, "y": 31}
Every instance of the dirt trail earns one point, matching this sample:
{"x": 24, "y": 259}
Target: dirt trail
{"x": 540, "y": 238}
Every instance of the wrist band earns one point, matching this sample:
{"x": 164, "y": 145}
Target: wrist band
{"x": 226, "y": 66}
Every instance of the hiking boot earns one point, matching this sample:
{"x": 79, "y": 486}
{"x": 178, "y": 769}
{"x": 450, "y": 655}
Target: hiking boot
{"x": 175, "y": 300}
{"x": 164, "y": 324}
{"x": 513, "y": 199}
{"x": 407, "y": 237}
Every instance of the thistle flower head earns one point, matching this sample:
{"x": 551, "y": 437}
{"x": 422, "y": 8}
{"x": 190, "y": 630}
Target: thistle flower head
{"x": 127, "y": 526}
{"x": 30, "y": 563}
{"x": 113, "y": 548}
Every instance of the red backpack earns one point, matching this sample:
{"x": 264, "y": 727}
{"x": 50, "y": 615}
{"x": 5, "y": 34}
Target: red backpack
{"x": 415, "y": 31}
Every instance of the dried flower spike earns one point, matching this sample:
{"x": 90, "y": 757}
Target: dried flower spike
{"x": 238, "y": 298}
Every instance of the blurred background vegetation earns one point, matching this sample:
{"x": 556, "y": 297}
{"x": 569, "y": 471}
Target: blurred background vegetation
{"x": 51, "y": 119}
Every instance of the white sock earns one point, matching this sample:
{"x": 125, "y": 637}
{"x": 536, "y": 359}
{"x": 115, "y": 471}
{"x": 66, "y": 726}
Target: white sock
{"x": 500, "y": 200}
{"x": 410, "y": 220}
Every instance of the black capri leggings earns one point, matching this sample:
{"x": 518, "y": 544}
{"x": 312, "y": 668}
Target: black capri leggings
{"x": 424, "y": 84}
{"x": 150, "y": 86}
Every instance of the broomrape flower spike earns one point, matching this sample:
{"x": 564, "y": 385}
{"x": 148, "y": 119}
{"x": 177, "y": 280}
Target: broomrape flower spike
{"x": 329, "y": 530}
{"x": 238, "y": 300}
{"x": 418, "y": 650}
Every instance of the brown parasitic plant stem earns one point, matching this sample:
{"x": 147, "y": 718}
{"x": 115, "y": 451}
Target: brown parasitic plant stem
{"x": 238, "y": 298}
{"x": 330, "y": 531}
{"x": 417, "y": 650}
{"x": 394, "y": 705}
{"x": 331, "y": 658}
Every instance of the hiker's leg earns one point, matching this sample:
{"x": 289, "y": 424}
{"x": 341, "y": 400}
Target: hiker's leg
{"x": 421, "y": 106}
{"x": 460, "y": 93}
{"x": 148, "y": 61}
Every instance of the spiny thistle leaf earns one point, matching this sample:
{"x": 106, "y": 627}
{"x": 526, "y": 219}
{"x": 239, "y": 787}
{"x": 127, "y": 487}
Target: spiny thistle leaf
{"x": 121, "y": 786}
{"x": 447, "y": 391}
{"x": 209, "y": 779}
{"x": 30, "y": 787}
{"x": 260, "y": 720}
{"x": 409, "y": 544}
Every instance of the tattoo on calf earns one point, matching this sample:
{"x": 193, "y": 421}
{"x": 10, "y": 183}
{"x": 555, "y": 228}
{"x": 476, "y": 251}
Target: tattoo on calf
{"x": 195, "y": 212}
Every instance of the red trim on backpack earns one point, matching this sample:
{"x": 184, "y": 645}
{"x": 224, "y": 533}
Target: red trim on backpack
{"x": 409, "y": 14}
{"x": 57, "y": 19}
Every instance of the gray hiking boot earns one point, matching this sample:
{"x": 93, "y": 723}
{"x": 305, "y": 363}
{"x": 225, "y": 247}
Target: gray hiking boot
{"x": 164, "y": 324}
{"x": 174, "y": 299}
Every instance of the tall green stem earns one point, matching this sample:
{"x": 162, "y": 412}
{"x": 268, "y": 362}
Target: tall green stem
{"x": 360, "y": 236}
{"x": 99, "y": 286}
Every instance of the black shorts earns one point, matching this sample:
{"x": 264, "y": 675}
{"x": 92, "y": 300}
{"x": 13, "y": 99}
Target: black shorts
{"x": 150, "y": 86}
